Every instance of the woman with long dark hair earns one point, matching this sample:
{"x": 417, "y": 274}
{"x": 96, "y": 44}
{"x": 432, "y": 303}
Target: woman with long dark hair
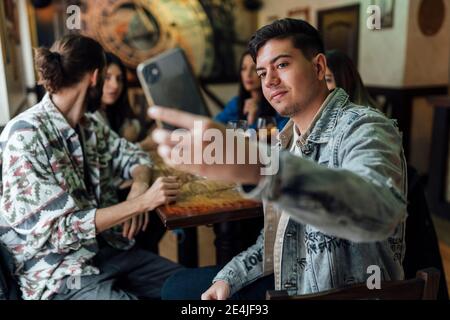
{"x": 250, "y": 103}
{"x": 115, "y": 105}
{"x": 342, "y": 73}
{"x": 116, "y": 111}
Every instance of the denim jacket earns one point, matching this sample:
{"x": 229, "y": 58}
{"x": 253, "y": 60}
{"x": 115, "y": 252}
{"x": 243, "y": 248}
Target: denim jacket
{"x": 334, "y": 208}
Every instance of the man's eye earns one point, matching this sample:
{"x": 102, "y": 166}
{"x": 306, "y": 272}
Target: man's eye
{"x": 262, "y": 75}
{"x": 282, "y": 65}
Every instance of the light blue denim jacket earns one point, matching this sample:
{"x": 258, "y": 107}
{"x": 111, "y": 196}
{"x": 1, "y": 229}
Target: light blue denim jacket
{"x": 333, "y": 211}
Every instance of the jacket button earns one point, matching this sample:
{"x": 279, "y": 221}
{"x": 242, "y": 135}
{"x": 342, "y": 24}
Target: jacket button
{"x": 290, "y": 234}
{"x": 288, "y": 285}
{"x": 307, "y": 149}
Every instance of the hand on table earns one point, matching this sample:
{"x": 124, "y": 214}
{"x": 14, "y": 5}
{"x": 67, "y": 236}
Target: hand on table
{"x": 163, "y": 191}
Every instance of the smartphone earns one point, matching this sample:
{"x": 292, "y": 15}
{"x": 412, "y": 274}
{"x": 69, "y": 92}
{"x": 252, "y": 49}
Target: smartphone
{"x": 168, "y": 80}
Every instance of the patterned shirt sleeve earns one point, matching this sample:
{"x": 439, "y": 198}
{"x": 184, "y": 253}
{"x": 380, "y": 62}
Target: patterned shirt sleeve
{"x": 35, "y": 205}
{"x": 125, "y": 155}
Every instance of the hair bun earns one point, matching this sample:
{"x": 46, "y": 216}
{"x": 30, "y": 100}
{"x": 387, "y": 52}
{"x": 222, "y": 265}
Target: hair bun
{"x": 50, "y": 69}
{"x": 68, "y": 61}
{"x": 55, "y": 55}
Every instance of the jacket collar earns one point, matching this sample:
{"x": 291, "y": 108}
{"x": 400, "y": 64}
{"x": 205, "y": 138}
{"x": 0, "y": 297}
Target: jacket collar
{"x": 323, "y": 124}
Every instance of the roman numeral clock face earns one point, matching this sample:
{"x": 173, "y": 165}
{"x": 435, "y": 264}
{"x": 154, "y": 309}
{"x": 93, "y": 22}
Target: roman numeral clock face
{"x": 136, "y": 30}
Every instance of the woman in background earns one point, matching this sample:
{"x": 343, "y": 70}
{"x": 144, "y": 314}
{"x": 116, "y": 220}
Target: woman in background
{"x": 233, "y": 237}
{"x": 115, "y": 110}
{"x": 342, "y": 73}
{"x": 115, "y": 107}
{"x": 250, "y": 103}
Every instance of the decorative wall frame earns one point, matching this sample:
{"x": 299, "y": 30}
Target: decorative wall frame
{"x": 387, "y": 12}
{"x": 340, "y": 29}
{"x": 12, "y": 57}
{"x": 271, "y": 18}
{"x": 302, "y": 13}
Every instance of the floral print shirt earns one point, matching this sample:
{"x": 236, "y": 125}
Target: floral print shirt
{"x": 47, "y": 200}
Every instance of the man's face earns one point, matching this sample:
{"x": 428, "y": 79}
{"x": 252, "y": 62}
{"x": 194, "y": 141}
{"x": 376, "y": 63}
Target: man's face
{"x": 289, "y": 81}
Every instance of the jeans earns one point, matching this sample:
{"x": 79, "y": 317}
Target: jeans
{"x": 189, "y": 284}
{"x": 124, "y": 275}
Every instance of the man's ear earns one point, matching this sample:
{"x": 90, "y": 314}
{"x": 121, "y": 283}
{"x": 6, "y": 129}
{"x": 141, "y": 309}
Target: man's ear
{"x": 320, "y": 63}
{"x": 94, "y": 78}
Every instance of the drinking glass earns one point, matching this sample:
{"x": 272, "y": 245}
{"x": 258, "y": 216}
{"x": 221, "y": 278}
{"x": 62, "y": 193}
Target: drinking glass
{"x": 270, "y": 126}
{"x": 238, "y": 124}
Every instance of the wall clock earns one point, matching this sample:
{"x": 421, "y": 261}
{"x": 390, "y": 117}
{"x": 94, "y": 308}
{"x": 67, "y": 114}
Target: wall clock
{"x": 136, "y": 30}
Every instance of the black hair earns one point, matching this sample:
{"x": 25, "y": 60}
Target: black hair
{"x": 304, "y": 37}
{"x": 119, "y": 110}
{"x": 67, "y": 61}
{"x": 265, "y": 109}
{"x": 347, "y": 77}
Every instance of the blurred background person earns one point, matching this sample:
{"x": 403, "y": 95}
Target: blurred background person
{"x": 116, "y": 112}
{"x": 115, "y": 106}
{"x": 342, "y": 73}
{"x": 250, "y": 103}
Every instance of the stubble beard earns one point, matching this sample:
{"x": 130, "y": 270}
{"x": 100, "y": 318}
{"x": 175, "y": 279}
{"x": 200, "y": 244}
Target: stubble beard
{"x": 291, "y": 110}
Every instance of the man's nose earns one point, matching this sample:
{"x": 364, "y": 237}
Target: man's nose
{"x": 271, "y": 79}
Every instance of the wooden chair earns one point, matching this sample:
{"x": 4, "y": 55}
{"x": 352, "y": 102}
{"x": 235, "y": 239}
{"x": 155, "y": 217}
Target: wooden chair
{"x": 423, "y": 287}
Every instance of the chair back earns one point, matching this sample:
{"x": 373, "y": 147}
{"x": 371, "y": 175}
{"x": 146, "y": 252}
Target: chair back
{"x": 424, "y": 287}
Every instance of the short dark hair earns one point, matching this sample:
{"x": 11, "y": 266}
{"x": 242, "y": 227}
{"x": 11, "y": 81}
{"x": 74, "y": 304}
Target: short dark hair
{"x": 67, "y": 61}
{"x": 304, "y": 37}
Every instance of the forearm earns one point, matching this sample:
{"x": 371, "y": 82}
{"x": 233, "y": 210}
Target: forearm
{"x": 339, "y": 202}
{"x": 242, "y": 269}
{"x": 142, "y": 174}
{"x": 109, "y": 217}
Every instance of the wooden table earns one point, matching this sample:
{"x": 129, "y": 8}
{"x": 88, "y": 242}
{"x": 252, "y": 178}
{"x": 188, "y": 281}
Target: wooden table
{"x": 207, "y": 208}
{"x": 201, "y": 202}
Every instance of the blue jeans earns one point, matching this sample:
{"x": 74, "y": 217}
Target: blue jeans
{"x": 124, "y": 275}
{"x": 189, "y": 284}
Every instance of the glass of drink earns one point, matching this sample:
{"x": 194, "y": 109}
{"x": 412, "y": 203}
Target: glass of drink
{"x": 238, "y": 124}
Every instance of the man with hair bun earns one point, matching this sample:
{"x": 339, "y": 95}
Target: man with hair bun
{"x": 59, "y": 215}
